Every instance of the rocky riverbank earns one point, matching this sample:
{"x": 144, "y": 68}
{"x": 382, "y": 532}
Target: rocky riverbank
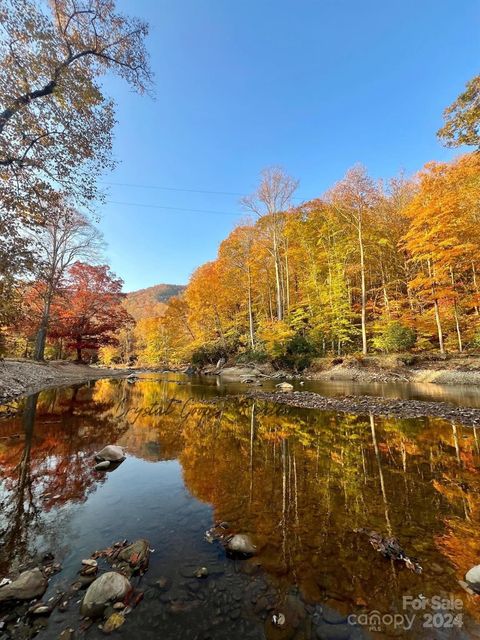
{"x": 22, "y": 377}
{"x": 365, "y": 405}
{"x": 431, "y": 368}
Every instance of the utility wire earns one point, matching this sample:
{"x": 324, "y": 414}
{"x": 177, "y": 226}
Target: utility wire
{"x": 159, "y": 206}
{"x": 154, "y": 186}
{"x": 180, "y": 190}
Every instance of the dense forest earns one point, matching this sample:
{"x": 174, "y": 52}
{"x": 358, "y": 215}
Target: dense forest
{"x": 370, "y": 265}
{"x": 384, "y": 266}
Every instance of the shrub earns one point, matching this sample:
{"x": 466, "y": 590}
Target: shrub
{"x": 476, "y": 340}
{"x": 394, "y": 336}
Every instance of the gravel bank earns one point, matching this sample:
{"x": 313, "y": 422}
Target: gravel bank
{"x": 22, "y": 377}
{"x": 364, "y": 405}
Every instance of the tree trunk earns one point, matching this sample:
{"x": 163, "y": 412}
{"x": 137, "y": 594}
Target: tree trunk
{"x": 278, "y": 282}
{"x": 475, "y": 286}
{"x": 79, "y": 354}
{"x": 455, "y": 315}
{"x": 250, "y": 312}
{"x": 436, "y": 309}
{"x": 41, "y": 337}
{"x": 439, "y": 326}
{"x": 287, "y": 281}
{"x": 364, "y": 291}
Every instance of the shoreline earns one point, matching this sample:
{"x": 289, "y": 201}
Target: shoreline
{"x": 366, "y": 405}
{"x": 20, "y": 378}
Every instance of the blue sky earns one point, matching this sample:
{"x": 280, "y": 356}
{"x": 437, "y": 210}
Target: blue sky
{"x": 312, "y": 85}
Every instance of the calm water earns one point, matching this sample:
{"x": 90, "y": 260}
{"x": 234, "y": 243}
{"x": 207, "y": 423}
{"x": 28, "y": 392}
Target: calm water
{"x": 298, "y": 481}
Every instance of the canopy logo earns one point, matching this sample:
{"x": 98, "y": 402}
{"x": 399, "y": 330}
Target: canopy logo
{"x": 438, "y": 612}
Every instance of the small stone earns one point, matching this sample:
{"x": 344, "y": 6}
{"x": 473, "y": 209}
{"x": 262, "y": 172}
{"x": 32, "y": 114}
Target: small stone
{"x": 284, "y": 387}
{"x": 241, "y": 543}
{"x": 119, "y": 606}
{"x": 112, "y": 453}
{"x": 40, "y": 609}
{"x": 278, "y": 619}
{"x": 472, "y": 577}
{"x": 89, "y": 562}
{"x": 201, "y": 572}
{"x": 67, "y": 634}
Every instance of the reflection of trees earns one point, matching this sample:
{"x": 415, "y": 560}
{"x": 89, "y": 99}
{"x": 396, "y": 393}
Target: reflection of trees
{"x": 46, "y": 461}
{"x": 21, "y": 512}
{"x": 300, "y": 481}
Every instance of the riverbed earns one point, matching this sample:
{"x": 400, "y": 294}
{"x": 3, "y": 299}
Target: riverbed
{"x": 300, "y": 482}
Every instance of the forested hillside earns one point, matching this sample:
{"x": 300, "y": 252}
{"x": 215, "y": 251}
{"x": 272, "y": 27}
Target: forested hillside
{"x": 152, "y": 301}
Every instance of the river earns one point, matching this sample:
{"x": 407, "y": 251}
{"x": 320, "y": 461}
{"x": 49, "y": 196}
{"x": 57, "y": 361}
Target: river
{"x": 299, "y": 482}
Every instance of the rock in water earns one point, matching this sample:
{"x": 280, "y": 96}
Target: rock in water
{"x": 112, "y": 453}
{"x": 114, "y": 621}
{"x": 472, "y": 577}
{"x": 241, "y": 543}
{"x": 109, "y": 587}
{"x": 29, "y": 584}
{"x": 284, "y": 386}
{"x": 134, "y": 558}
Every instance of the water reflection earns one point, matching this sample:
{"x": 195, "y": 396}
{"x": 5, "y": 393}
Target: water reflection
{"x": 300, "y": 482}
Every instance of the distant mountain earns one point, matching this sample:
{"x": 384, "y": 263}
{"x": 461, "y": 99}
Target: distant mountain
{"x": 152, "y": 301}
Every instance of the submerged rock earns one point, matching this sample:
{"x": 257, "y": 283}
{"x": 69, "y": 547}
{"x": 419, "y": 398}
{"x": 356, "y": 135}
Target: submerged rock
{"x": 112, "y": 453}
{"x": 241, "y": 543}
{"x": 109, "y": 587}
{"x": 29, "y": 584}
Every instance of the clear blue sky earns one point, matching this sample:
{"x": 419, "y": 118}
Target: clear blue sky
{"x": 313, "y": 85}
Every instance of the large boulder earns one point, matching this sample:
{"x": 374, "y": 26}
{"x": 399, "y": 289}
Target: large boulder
{"x": 237, "y": 374}
{"x": 112, "y": 453}
{"x": 29, "y": 584}
{"x": 109, "y": 587}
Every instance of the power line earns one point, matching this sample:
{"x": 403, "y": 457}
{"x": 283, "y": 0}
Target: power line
{"x": 179, "y": 189}
{"x": 161, "y": 188}
{"x": 159, "y": 206}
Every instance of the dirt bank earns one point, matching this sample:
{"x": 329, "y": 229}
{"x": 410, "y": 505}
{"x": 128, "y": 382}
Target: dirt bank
{"x": 464, "y": 370}
{"x": 364, "y": 405}
{"x": 21, "y": 377}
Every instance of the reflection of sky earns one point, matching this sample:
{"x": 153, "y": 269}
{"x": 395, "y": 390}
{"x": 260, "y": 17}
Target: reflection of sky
{"x": 138, "y": 500}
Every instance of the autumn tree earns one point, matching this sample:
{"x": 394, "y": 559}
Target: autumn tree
{"x": 271, "y": 199}
{"x": 237, "y": 250}
{"x": 462, "y": 118}
{"x": 354, "y": 199}
{"x": 66, "y": 237}
{"x": 442, "y": 238}
{"x": 55, "y": 122}
{"x": 90, "y": 309}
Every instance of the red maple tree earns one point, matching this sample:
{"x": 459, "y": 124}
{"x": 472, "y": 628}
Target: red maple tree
{"x": 90, "y": 309}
